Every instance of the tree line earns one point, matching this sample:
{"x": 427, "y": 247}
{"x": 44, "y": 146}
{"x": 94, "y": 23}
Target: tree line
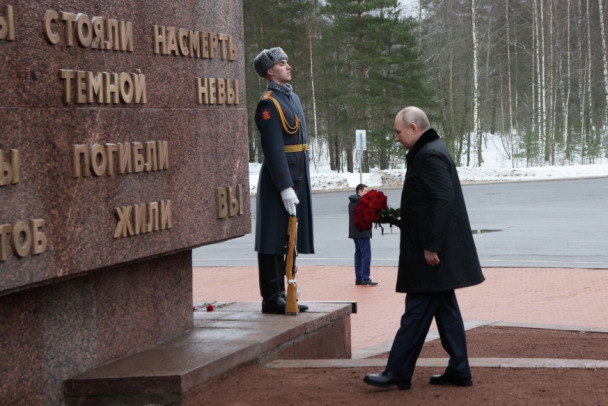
{"x": 532, "y": 73}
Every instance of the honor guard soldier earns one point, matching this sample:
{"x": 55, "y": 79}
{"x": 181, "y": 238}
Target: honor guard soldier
{"x": 284, "y": 187}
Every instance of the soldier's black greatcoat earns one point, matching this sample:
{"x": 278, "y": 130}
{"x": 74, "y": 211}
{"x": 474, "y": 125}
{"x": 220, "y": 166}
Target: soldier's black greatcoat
{"x": 281, "y": 170}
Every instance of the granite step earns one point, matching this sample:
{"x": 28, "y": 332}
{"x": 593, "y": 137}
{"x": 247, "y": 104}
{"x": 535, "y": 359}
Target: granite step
{"x": 222, "y": 339}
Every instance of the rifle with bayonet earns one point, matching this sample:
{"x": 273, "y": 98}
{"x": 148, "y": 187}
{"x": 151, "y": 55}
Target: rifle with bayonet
{"x": 291, "y": 308}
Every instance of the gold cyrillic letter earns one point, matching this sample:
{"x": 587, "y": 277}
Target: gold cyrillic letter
{"x": 163, "y": 155}
{"x": 99, "y": 160}
{"x": 79, "y": 151}
{"x": 124, "y": 158}
{"x": 139, "y": 84}
{"x": 7, "y": 25}
{"x": 124, "y": 226}
{"x": 5, "y": 230}
{"x": 69, "y": 19}
{"x": 221, "y": 200}
{"x": 22, "y": 239}
{"x": 110, "y": 84}
{"x": 126, "y": 87}
{"x": 165, "y": 214}
{"x": 84, "y": 30}
{"x": 138, "y": 157}
{"x": 39, "y": 238}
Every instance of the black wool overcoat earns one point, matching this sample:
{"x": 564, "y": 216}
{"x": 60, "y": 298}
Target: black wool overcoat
{"x": 279, "y": 171}
{"x": 434, "y": 217}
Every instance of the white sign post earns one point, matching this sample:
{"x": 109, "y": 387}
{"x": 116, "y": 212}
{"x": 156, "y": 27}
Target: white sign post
{"x": 360, "y": 145}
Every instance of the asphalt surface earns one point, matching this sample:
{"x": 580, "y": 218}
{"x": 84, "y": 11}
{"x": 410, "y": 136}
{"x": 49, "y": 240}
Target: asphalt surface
{"x": 561, "y": 224}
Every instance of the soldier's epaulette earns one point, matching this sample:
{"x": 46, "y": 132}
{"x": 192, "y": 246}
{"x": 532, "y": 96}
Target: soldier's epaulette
{"x": 288, "y": 128}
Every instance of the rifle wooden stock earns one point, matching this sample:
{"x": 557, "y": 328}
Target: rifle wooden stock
{"x": 291, "y": 307}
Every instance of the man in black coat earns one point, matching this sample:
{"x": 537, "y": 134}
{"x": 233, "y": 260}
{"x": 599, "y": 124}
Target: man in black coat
{"x": 437, "y": 256}
{"x": 284, "y": 183}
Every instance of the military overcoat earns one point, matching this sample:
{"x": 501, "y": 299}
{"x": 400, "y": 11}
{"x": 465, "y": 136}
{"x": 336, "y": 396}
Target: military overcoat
{"x": 434, "y": 217}
{"x": 280, "y": 119}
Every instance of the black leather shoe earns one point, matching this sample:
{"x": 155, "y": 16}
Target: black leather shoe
{"x": 446, "y": 379}
{"x": 357, "y": 282}
{"x": 386, "y": 380}
{"x": 369, "y": 282}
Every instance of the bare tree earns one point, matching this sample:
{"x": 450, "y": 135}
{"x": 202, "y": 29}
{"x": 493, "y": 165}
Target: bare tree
{"x": 566, "y": 102}
{"x": 587, "y": 122}
{"x": 553, "y": 90}
{"x": 603, "y": 35}
{"x": 533, "y": 79}
{"x": 316, "y": 151}
{"x": 511, "y": 131}
{"x": 476, "y": 128}
{"x": 541, "y": 84}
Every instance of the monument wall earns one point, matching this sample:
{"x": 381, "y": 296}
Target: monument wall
{"x": 123, "y": 145}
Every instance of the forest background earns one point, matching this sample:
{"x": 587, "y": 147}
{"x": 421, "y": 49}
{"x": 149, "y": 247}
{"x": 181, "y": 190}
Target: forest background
{"x": 532, "y": 74}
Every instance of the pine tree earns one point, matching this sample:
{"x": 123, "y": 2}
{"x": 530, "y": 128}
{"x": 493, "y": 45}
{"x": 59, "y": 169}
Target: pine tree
{"x": 268, "y": 24}
{"x": 372, "y": 71}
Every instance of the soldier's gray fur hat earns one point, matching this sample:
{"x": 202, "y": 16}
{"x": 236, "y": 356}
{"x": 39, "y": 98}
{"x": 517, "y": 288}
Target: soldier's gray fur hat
{"x": 267, "y": 59}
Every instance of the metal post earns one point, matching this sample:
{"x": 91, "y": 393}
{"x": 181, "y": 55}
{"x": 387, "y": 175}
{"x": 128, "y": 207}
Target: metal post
{"x": 360, "y": 166}
{"x": 361, "y": 146}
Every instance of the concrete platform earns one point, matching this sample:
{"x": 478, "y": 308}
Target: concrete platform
{"x": 231, "y": 335}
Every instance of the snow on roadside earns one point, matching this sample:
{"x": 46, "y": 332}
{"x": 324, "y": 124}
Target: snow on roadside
{"x": 324, "y": 180}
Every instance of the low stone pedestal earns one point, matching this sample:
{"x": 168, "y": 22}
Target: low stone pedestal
{"x": 220, "y": 340}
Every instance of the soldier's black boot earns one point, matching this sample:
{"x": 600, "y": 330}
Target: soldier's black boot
{"x": 271, "y": 284}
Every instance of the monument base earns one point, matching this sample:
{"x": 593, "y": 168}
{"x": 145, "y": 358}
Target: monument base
{"x": 50, "y": 333}
{"x": 220, "y": 340}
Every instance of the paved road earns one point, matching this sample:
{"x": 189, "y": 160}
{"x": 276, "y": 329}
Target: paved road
{"x": 529, "y": 224}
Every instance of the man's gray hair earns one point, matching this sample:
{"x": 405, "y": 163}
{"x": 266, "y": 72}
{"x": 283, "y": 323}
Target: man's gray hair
{"x": 415, "y": 115}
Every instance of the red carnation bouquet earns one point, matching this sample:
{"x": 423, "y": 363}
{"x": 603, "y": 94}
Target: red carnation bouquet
{"x": 371, "y": 209}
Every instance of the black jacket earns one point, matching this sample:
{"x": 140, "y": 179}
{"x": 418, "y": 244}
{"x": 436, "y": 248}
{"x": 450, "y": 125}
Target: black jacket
{"x": 434, "y": 217}
{"x": 352, "y": 230}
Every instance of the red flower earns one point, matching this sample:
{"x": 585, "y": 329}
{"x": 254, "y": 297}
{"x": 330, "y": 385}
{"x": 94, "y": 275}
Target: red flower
{"x": 209, "y": 307}
{"x": 368, "y": 208}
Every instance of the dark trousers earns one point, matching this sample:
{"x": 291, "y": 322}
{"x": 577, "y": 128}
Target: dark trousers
{"x": 363, "y": 258}
{"x": 271, "y": 274}
{"x": 420, "y": 308}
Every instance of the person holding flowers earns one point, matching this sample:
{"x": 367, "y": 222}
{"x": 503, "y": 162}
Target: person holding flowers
{"x": 361, "y": 233}
{"x": 437, "y": 255}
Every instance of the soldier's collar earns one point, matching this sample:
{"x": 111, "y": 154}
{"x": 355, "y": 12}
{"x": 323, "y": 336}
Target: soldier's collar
{"x": 280, "y": 88}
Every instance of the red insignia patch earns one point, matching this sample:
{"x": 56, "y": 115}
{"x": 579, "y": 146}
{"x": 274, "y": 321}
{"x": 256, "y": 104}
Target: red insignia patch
{"x": 266, "y": 114}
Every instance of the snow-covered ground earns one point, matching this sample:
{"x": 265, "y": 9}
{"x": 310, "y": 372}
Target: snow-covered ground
{"x": 497, "y": 167}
